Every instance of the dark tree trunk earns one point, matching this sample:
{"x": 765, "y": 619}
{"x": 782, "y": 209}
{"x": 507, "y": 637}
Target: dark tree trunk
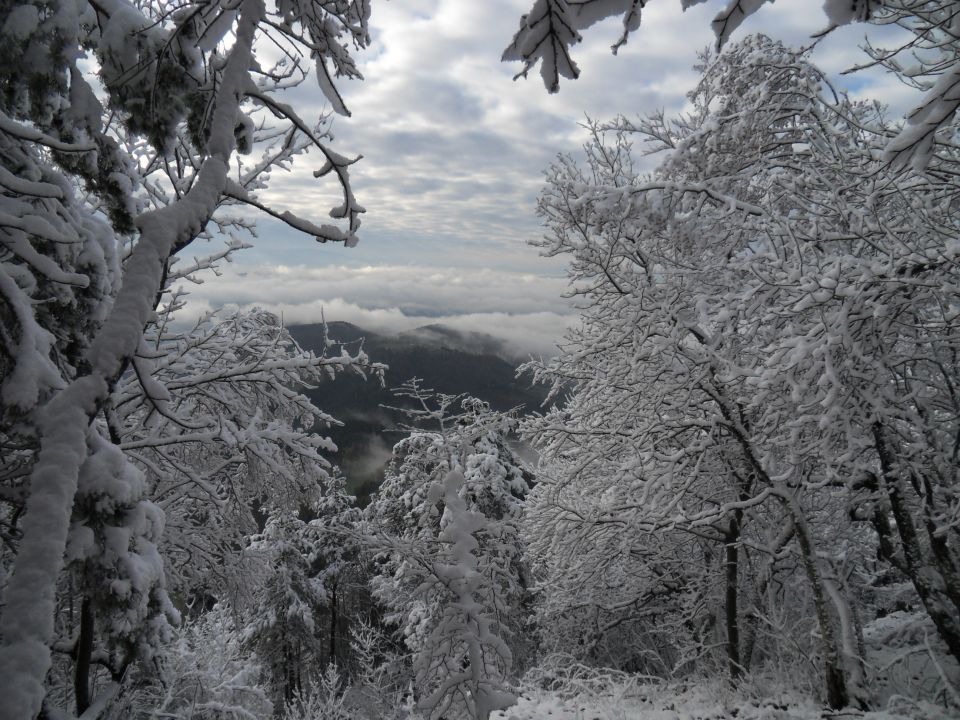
{"x": 838, "y": 696}
{"x": 84, "y": 655}
{"x": 333, "y": 621}
{"x": 923, "y": 570}
{"x": 731, "y": 566}
{"x": 752, "y": 618}
{"x": 836, "y": 687}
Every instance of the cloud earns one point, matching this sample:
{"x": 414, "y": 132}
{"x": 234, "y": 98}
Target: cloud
{"x": 523, "y": 334}
{"x": 531, "y": 333}
{"x": 369, "y": 459}
{"x": 524, "y": 310}
{"x": 416, "y": 290}
{"x": 454, "y": 148}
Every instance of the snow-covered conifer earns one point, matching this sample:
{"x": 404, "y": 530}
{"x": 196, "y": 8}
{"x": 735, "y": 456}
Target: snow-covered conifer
{"x": 452, "y": 575}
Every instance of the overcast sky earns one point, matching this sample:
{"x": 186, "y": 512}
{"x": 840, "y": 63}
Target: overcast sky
{"x": 454, "y": 152}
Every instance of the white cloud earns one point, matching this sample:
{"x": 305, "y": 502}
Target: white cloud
{"x": 417, "y": 290}
{"x": 524, "y": 334}
{"x": 523, "y": 309}
{"x": 530, "y": 333}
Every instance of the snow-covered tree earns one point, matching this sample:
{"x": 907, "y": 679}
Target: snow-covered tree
{"x": 217, "y": 431}
{"x": 294, "y": 619}
{"x": 551, "y": 28}
{"x": 765, "y": 314}
{"x": 283, "y": 619}
{"x": 116, "y": 573}
{"x": 452, "y": 576}
{"x": 222, "y": 429}
{"x": 110, "y": 166}
{"x": 206, "y": 672}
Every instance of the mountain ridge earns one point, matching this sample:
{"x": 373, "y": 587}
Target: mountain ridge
{"x": 445, "y": 360}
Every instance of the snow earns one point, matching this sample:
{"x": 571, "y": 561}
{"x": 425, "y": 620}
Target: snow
{"x": 736, "y": 363}
{"x": 915, "y": 143}
{"x": 21, "y": 21}
{"x": 27, "y": 622}
{"x": 731, "y": 17}
{"x": 34, "y": 371}
{"x": 545, "y": 35}
{"x": 843, "y": 12}
{"x": 623, "y": 698}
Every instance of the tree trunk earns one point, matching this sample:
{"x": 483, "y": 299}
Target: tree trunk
{"x": 333, "y": 622}
{"x": 924, "y": 571}
{"x": 732, "y": 560}
{"x": 836, "y": 687}
{"x": 750, "y": 626}
{"x": 83, "y": 656}
{"x": 851, "y": 642}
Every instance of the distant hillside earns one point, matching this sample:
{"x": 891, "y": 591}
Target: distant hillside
{"x": 444, "y": 359}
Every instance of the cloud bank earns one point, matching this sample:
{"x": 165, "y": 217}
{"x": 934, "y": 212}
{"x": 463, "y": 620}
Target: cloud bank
{"x": 523, "y": 309}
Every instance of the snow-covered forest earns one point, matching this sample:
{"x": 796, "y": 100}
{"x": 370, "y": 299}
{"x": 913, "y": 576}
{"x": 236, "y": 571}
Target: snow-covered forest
{"x": 746, "y": 498}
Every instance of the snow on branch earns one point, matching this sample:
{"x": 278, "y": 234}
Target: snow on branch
{"x": 551, "y": 28}
{"x": 27, "y": 622}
